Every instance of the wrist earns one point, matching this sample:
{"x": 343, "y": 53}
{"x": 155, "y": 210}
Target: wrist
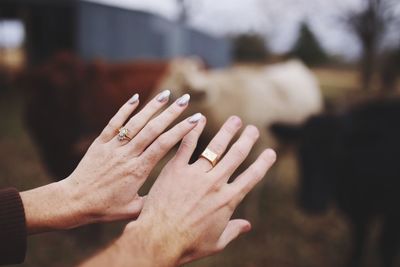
{"x": 50, "y": 208}
{"x": 150, "y": 243}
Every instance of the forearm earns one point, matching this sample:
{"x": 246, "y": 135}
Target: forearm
{"x": 138, "y": 246}
{"x": 51, "y": 207}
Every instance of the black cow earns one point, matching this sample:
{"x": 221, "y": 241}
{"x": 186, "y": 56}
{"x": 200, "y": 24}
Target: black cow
{"x": 353, "y": 159}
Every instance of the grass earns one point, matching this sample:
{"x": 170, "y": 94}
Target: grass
{"x": 337, "y": 83}
{"x": 284, "y": 237}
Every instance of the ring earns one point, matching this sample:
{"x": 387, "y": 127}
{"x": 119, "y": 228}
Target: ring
{"x": 123, "y": 134}
{"x": 210, "y": 155}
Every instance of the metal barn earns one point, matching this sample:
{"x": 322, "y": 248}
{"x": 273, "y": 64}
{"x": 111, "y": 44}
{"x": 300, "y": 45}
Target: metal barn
{"x": 93, "y": 30}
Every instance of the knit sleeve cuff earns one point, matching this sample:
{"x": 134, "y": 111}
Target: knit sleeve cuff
{"x": 13, "y": 232}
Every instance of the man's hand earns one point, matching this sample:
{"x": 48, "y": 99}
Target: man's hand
{"x": 191, "y": 205}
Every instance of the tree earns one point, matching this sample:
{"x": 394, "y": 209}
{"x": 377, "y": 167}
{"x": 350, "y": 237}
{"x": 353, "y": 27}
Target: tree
{"x": 390, "y": 69}
{"x": 249, "y": 48}
{"x": 370, "y": 25}
{"x": 307, "y": 47}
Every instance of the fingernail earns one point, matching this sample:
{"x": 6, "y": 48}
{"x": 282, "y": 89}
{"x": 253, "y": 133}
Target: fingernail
{"x": 164, "y": 95}
{"x": 271, "y": 153}
{"x": 195, "y": 118}
{"x": 236, "y": 120}
{"x": 183, "y": 100}
{"x": 134, "y": 99}
{"x": 247, "y": 228}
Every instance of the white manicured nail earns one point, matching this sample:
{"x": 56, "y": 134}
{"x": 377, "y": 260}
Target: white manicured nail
{"x": 195, "y": 118}
{"x": 183, "y": 100}
{"x": 164, "y": 95}
{"x": 134, "y": 99}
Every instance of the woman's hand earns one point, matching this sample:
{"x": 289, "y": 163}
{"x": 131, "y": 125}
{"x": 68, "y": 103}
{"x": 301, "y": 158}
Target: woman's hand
{"x": 104, "y": 186}
{"x": 187, "y": 211}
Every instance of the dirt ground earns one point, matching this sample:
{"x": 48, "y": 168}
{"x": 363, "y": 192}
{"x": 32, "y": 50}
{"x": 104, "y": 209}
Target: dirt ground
{"x": 284, "y": 237}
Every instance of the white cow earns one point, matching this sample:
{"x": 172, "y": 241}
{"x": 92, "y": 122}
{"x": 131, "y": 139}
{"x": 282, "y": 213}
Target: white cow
{"x": 285, "y": 92}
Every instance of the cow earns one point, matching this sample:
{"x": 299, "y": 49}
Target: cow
{"x": 284, "y": 92}
{"x": 260, "y": 95}
{"x": 351, "y": 159}
{"x": 69, "y": 101}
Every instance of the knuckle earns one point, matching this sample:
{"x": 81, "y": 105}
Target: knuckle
{"x": 171, "y": 112}
{"x": 179, "y": 130}
{"x": 121, "y": 109}
{"x": 232, "y": 203}
{"x": 215, "y": 187}
{"x": 227, "y": 198}
{"x": 238, "y": 193}
{"x": 256, "y": 173}
{"x": 151, "y": 107}
{"x": 231, "y": 193}
{"x": 229, "y": 129}
{"x": 151, "y": 158}
{"x": 163, "y": 142}
{"x": 187, "y": 142}
{"x": 240, "y": 152}
{"x": 113, "y": 124}
{"x": 142, "y": 169}
{"x": 135, "y": 123}
{"x": 152, "y": 128}
{"x": 116, "y": 155}
{"x": 218, "y": 148}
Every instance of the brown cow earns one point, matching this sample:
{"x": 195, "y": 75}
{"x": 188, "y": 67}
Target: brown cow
{"x": 68, "y": 102}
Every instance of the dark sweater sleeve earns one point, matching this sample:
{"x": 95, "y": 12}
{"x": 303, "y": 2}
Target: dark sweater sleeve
{"x": 12, "y": 227}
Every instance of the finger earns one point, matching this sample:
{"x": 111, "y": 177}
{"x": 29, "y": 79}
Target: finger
{"x": 157, "y": 125}
{"x": 221, "y": 141}
{"x": 231, "y": 232}
{"x": 189, "y": 142}
{"x": 119, "y": 119}
{"x": 237, "y": 154}
{"x": 135, "y": 207}
{"x": 167, "y": 140}
{"x": 137, "y": 122}
{"x": 249, "y": 178}
{"x": 130, "y": 211}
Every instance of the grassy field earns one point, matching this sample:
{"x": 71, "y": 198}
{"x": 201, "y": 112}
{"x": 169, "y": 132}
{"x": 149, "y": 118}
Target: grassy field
{"x": 285, "y": 237}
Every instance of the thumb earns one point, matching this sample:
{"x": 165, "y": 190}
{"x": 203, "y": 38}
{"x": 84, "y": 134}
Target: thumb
{"x": 232, "y": 231}
{"x": 135, "y": 207}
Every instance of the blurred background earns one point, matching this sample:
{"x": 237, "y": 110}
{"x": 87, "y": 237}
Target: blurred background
{"x": 66, "y": 67}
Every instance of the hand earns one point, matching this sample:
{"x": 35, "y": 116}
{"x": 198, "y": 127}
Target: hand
{"x": 104, "y": 186}
{"x": 187, "y": 211}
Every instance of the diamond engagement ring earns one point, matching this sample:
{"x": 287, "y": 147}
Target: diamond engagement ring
{"x": 123, "y": 134}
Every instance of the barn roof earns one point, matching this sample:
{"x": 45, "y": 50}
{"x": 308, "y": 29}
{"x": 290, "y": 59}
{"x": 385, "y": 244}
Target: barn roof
{"x": 165, "y": 8}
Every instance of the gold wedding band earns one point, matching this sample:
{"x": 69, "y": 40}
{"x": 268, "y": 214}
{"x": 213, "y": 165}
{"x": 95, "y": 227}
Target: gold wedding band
{"x": 123, "y": 134}
{"x": 210, "y": 155}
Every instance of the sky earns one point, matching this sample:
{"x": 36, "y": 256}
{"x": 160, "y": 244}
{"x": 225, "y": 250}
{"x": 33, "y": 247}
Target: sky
{"x": 277, "y": 20}
{"x": 11, "y": 33}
